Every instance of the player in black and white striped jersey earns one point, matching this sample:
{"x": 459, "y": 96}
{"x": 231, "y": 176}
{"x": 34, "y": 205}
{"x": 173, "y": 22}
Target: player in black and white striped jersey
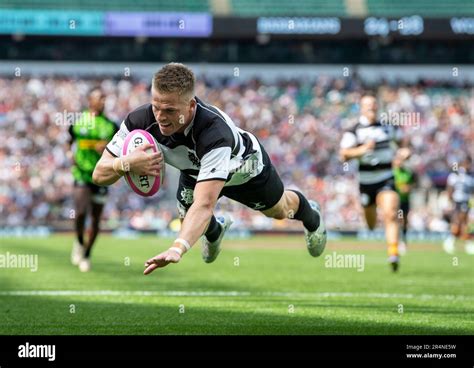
{"x": 460, "y": 188}
{"x": 374, "y": 145}
{"x": 215, "y": 159}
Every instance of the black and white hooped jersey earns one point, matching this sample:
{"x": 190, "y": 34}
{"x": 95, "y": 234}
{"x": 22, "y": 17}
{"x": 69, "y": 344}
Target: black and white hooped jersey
{"x": 462, "y": 183}
{"x": 211, "y": 147}
{"x": 374, "y": 166}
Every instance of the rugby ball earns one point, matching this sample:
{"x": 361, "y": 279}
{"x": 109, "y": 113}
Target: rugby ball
{"x": 144, "y": 185}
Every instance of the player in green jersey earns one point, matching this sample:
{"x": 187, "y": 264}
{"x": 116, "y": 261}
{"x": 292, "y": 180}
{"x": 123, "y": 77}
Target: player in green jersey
{"x": 404, "y": 182}
{"x": 89, "y": 136}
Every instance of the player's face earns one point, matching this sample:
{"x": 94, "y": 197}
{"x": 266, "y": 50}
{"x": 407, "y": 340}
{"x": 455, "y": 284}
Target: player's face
{"x": 97, "y": 101}
{"x": 172, "y": 112}
{"x": 368, "y": 108}
{"x": 466, "y": 165}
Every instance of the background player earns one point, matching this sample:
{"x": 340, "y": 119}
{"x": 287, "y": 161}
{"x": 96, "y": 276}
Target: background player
{"x": 404, "y": 181}
{"x": 89, "y": 136}
{"x": 374, "y": 146}
{"x": 215, "y": 159}
{"x": 460, "y": 186}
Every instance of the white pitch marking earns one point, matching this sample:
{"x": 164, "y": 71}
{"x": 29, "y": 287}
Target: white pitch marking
{"x": 231, "y": 294}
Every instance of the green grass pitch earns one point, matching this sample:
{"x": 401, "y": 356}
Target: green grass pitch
{"x": 263, "y": 285}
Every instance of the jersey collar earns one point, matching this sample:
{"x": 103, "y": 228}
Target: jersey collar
{"x": 190, "y": 126}
{"x": 364, "y": 121}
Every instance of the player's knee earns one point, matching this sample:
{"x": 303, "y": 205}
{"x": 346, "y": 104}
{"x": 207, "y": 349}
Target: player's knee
{"x": 80, "y": 214}
{"x": 95, "y": 223}
{"x": 390, "y": 215}
{"x": 81, "y": 206}
{"x": 371, "y": 225}
{"x": 455, "y": 230}
{"x": 280, "y": 215}
{"x": 276, "y": 213}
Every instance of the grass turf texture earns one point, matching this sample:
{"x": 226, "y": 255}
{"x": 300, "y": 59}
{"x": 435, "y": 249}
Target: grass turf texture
{"x": 263, "y": 285}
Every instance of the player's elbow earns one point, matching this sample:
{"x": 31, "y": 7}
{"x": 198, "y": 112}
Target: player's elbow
{"x": 343, "y": 155}
{"x": 97, "y": 176}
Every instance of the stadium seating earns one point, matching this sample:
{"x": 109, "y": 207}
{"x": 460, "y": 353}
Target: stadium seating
{"x": 122, "y": 5}
{"x": 253, "y": 8}
{"x": 420, "y": 7}
{"x": 288, "y": 8}
{"x": 306, "y": 157}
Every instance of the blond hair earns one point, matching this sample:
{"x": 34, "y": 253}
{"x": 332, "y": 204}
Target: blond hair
{"x": 175, "y": 78}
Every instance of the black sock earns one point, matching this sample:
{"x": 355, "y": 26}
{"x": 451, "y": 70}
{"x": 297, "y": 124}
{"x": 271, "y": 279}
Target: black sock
{"x": 306, "y": 214}
{"x": 213, "y": 230}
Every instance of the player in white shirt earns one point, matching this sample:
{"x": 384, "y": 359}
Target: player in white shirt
{"x": 460, "y": 187}
{"x": 215, "y": 159}
{"x": 374, "y": 145}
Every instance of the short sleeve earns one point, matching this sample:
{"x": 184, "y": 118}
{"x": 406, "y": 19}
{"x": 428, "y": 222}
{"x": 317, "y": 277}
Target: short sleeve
{"x": 115, "y": 145}
{"x": 451, "y": 179}
{"x": 348, "y": 140}
{"x": 215, "y": 164}
{"x": 214, "y": 149}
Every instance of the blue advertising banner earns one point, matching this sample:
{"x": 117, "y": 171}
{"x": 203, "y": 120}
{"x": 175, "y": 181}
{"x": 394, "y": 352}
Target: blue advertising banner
{"x": 158, "y": 24}
{"x": 96, "y": 23}
{"x": 52, "y": 22}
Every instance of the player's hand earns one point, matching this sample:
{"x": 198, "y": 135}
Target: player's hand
{"x": 403, "y": 153}
{"x": 100, "y": 146}
{"x": 369, "y": 146}
{"x": 404, "y": 188}
{"x": 144, "y": 163}
{"x": 161, "y": 260}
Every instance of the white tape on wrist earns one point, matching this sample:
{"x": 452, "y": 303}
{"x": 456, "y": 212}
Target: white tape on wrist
{"x": 183, "y": 242}
{"x": 126, "y": 167}
{"x": 177, "y": 250}
{"x": 113, "y": 167}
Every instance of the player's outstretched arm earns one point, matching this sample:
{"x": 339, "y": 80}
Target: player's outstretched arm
{"x": 109, "y": 168}
{"x": 355, "y": 152}
{"x": 403, "y": 153}
{"x": 194, "y": 225}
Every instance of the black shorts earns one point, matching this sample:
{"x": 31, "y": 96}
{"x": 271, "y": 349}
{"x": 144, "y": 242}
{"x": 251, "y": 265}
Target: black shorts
{"x": 98, "y": 193}
{"x": 405, "y": 207}
{"x": 368, "y": 192}
{"x": 259, "y": 193}
{"x": 461, "y": 207}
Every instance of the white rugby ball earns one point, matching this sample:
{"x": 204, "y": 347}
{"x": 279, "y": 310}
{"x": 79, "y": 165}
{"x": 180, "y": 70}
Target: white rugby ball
{"x": 144, "y": 185}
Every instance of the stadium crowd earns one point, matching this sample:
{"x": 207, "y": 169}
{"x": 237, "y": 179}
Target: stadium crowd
{"x": 299, "y": 122}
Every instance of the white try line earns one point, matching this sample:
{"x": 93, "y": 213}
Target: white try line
{"x": 231, "y": 294}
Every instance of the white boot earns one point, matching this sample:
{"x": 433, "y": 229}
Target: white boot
{"x": 469, "y": 247}
{"x": 85, "y": 265}
{"x": 449, "y": 245}
{"x": 77, "y": 253}
{"x": 210, "y": 250}
{"x": 316, "y": 240}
